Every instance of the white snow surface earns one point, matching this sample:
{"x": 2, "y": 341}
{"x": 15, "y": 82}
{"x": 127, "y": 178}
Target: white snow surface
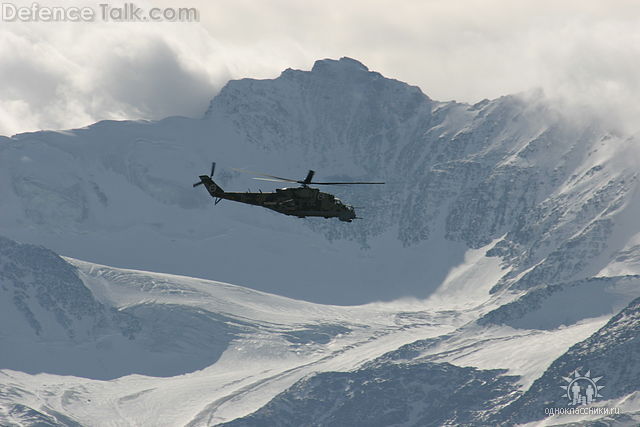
{"x": 258, "y": 363}
{"x": 277, "y": 341}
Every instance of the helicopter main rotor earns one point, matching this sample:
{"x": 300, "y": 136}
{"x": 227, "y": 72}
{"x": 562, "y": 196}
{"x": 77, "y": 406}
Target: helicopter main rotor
{"x": 305, "y": 182}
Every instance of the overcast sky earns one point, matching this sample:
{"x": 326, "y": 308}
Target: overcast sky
{"x": 62, "y": 75}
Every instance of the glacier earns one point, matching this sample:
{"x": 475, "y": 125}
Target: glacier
{"x": 501, "y": 254}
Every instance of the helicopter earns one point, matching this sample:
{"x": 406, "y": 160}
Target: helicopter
{"x": 300, "y": 201}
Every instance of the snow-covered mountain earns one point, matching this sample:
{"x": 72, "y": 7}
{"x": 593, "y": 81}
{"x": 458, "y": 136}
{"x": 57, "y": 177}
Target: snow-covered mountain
{"x": 504, "y": 247}
{"x": 556, "y": 194}
{"x": 141, "y": 348}
{"x": 207, "y": 345}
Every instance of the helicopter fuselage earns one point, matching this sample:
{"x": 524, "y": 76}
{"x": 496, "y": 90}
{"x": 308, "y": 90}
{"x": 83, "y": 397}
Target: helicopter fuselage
{"x": 298, "y": 201}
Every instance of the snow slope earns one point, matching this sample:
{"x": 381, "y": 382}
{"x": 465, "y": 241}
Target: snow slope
{"x": 269, "y": 342}
{"x": 198, "y": 352}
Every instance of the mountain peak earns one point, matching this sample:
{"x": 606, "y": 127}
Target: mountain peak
{"x": 345, "y": 63}
{"x": 344, "y": 82}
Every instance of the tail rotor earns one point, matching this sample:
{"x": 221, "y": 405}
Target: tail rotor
{"x": 213, "y": 168}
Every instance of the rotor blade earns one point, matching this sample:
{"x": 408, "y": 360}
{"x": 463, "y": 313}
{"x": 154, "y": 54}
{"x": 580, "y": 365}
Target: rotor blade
{"x": 343, "y": 183}
{"x": 213, "y": 168}
{"x": 268, "y": 176}
{"x": 275, "y": 180}
{"x": 307, "y": 180}
{"x": 198, "y": 183}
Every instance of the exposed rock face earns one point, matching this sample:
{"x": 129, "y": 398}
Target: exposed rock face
{"x": 610, "y": 353}
{"x": 47, "y": 292}
{"x": 424, "y": 394}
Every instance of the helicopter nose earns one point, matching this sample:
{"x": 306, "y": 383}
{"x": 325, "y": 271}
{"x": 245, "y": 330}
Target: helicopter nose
{"x": 352, "y": 212}
{"x": 347, "y": 214}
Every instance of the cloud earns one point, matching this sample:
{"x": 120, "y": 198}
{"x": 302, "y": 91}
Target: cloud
{"x": 584, "y": 54}
{"x": 82, "y": 73}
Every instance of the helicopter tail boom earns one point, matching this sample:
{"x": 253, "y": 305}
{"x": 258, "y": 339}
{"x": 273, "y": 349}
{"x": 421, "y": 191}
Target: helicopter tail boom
{"x": 214, "y": 189}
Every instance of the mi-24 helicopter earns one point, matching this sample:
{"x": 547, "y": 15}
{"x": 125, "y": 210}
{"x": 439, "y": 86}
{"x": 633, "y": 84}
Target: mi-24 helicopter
{"x": 300, "y": 201}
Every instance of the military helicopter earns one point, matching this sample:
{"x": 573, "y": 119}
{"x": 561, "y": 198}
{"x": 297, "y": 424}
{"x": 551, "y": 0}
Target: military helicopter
{"x": 301, "y": 201}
